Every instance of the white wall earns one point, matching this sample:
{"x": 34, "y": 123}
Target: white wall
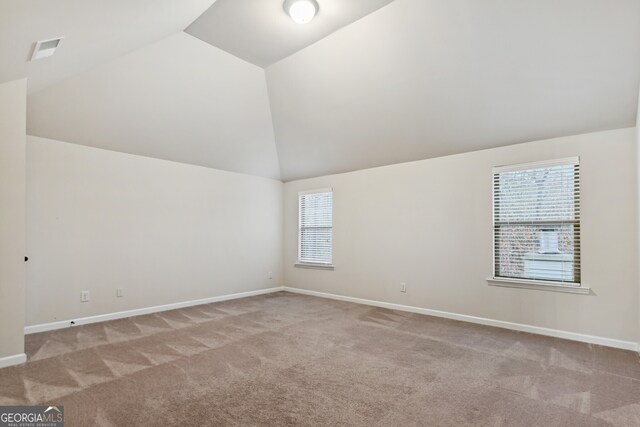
{"x": 428, "y": 223}
{"x": 13, "y": 100}
{"x": 165, "y": 232}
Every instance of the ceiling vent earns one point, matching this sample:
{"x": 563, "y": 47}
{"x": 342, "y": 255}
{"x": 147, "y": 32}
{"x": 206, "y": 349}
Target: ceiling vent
{"x": 45, "y": 48}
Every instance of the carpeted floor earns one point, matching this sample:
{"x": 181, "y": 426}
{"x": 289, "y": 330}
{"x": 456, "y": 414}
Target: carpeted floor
{"x": 286, "y": 359}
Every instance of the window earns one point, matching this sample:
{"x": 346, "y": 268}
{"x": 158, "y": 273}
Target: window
{"x": 536, "y": 222}
{"x": 315, "y": 216}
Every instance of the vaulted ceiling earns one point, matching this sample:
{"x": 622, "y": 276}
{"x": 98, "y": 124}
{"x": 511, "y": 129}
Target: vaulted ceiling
{"x": 177, "y": 99}
{"x": 259, "y": 32}
{"x": 426, "y": 78}
{"x": 94, "y": 32}
{"x": 385, "y": 82}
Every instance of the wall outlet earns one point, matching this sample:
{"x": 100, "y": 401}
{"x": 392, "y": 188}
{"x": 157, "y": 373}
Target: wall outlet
{"x": 403, "y": 287}
{"x": 119, "y": 292}
{"x": 271, "y": 275}
{"x": 84, "y": 296}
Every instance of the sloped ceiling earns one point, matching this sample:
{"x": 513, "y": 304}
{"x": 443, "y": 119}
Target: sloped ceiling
{"x": 426, "y": 78}
{"x": 260, "y": 32}
{"x": 95, "y": 31}
{"x": 414, "y": 79}
{"x": 177, "y": 99}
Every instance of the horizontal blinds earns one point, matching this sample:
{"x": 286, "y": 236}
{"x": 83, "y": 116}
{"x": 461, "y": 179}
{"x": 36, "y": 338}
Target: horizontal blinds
{"x": 316, "y": 227}
{"x": 537, "y": 221}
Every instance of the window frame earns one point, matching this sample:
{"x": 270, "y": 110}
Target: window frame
{"x": 553, "y": 285}
{"x": 310, "y": 264}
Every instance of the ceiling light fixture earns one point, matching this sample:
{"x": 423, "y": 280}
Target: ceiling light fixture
{"x": 301, "y": 11}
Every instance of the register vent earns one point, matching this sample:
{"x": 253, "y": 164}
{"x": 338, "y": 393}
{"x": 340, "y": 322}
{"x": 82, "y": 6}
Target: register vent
{"x": 45, "y": 48}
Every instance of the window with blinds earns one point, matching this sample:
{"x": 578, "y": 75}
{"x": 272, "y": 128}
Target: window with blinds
{"x": 315, "y": 213}
{"x": 536, "y": 221}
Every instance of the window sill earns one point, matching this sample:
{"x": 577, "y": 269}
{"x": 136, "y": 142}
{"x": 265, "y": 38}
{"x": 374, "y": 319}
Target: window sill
{"x": 313, "y": 265}
{"x": 538, "y": 285}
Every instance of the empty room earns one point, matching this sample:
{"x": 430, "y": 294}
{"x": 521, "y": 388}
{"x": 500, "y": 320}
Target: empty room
{"x": 319, "y": 213}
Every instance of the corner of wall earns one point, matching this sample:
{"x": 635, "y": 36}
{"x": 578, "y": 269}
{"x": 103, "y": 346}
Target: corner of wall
{"x": 638, "y": 212}
{"x": 13, "y": 116}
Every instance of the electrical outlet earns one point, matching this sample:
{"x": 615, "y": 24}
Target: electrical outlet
{"x": 271, "y": 275}
{"x": 403, "y": 287}
{"x": 119, "y": 292}
{"x": 84, "y": 296}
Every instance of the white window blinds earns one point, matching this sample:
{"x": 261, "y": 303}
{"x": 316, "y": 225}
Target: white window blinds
{"x": 537, "y": 221}
{"x": 315, "y": 213}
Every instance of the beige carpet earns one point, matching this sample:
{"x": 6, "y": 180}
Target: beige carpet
{"x": 285, "y": 359}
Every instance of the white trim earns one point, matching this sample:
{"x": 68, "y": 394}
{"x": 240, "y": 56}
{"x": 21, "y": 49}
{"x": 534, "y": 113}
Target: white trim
{"x": 316, "y": 265}
{"x": 319, "y": 190}
{"x": 16, "y": 359}
{"x": 140, "y": 311}
{"x": 538, "y": 285}
{"x": 525, "y": 166}
{"x": 535, "y": 165}
{"x": 627, "y": 345}
{"x": 608, "y": 342}
{"x": 300, "y": 195}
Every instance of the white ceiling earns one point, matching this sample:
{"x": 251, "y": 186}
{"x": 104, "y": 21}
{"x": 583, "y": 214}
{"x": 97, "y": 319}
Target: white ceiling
{"x": 426, "y": 78}
{"x": 259, "y": 31}
{"x": 94, "y": 31}
{"x": 177, "y": 99}
{"x": 412, "y": 80}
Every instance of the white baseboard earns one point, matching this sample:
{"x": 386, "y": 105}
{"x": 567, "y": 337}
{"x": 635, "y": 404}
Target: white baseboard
{"x": 16, "y": 359}
{"x": 608, "y": 342}
{"x": 140, "y": 311}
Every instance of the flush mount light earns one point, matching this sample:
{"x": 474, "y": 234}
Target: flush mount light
{"x": 301, "y": 11}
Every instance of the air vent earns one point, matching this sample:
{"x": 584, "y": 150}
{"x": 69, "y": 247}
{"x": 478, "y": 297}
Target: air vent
{"x": 45, "y": 48}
